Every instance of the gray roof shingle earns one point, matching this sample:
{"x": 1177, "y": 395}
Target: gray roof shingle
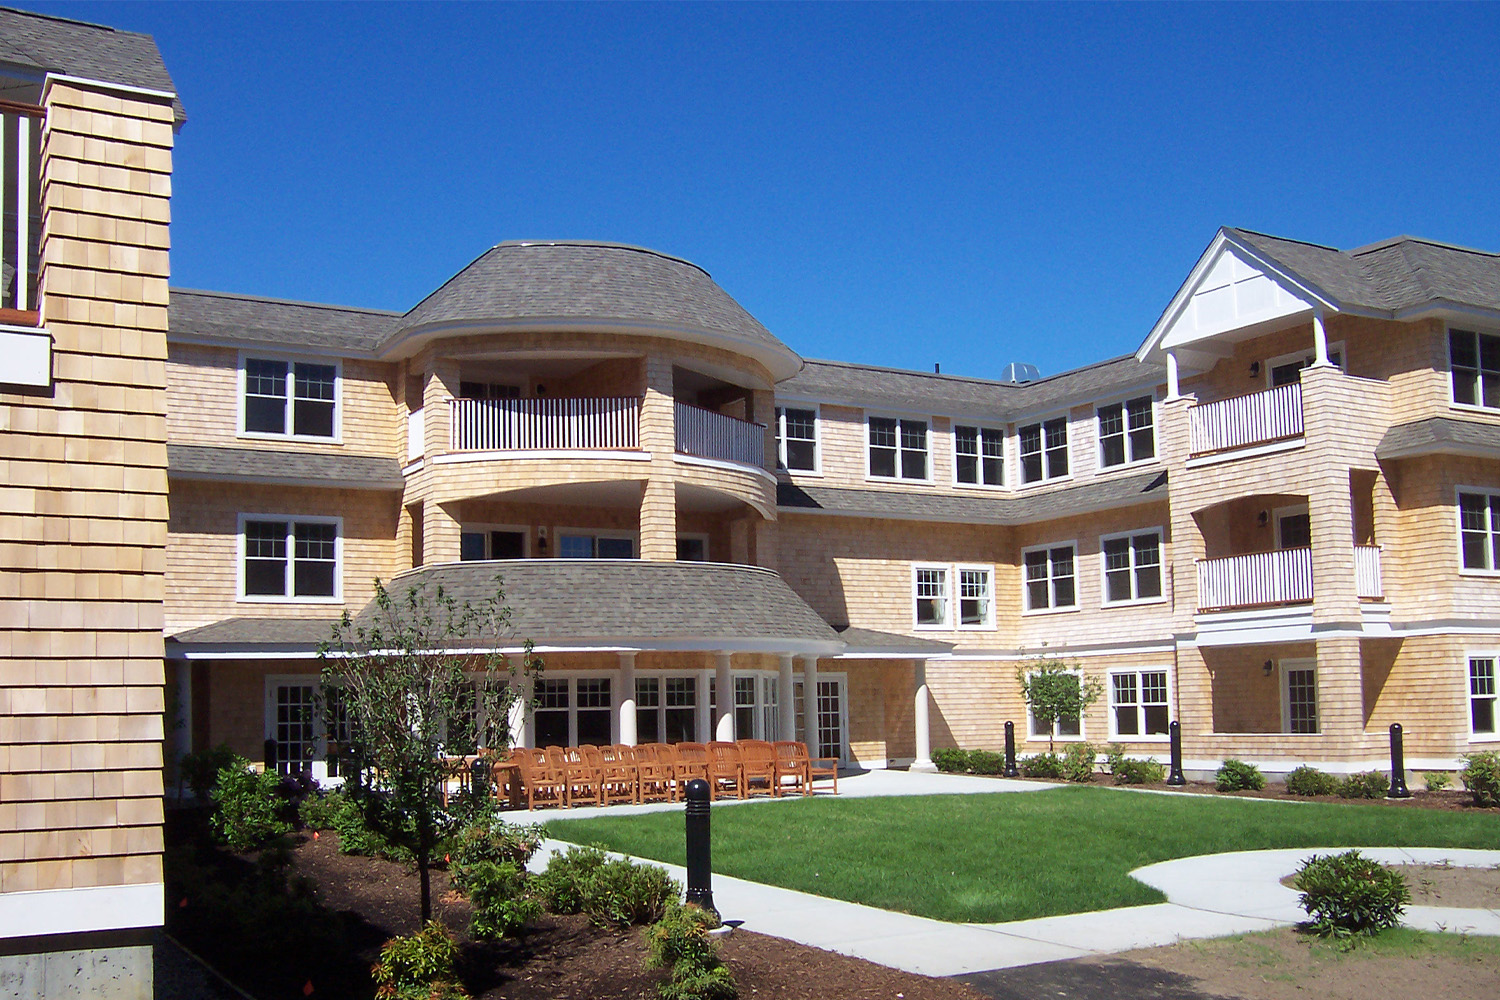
{"x": 193, "y": 314}
{"x": 867, "y": 640}
{"x": 1439, "y": 436}
{"x": 306, "y": 633}
{"x": 290, "y": 468}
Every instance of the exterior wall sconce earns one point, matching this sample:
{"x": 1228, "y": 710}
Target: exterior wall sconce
{"x": 1267, "y": 667}
{"x": 541, "y": 540}
{"x": 1254, "y": 369}
{"x": 1262, "y": 518}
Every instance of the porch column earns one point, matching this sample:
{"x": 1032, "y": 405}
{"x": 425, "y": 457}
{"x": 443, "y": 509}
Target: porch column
{"x": 1320, "y": 340}
{"x": 810, "y": 703}
{"x": 626, "y": 699}
{"x": 924, "y": 731}
{"x": 520, "y": 713}
{"x": 440, "y": 534}
{"x": 786, "y": 699}
{"x": 1174, "y": 389}
{"x": 724, "y": 706}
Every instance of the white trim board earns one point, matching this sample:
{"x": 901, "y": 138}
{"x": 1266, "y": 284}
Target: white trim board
{"x": 74, "y": 911}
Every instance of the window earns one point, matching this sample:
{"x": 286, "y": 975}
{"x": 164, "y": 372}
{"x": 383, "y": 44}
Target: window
{"x": 797, "y": 439}
{"x": 1479, "y": 530}
{"x": 488, "y": 390}
{"x": 572, "y": 545}
{"x": 978, "y": 455}
{"x": 1138, "y": 703}
{"x": 930, "y": 593}
{"x": 1067, "y": 728}
{"x": 1132, "y": 567}
{"x": 692, "y": 548}
{"x": 289, "y": 559}
{"x": 898, "y": 448}
{"x": 1049, "y": 578}
{"x": 571, "y": 711}
{"x": 1044, "y": 450}
{"x": 290, "y": 398}
{"x": 477, "y": 542}
{"x": 1482, "y": 695}
{"x": 1287, "y": 368}
{"x": 1126, "y": 432}
{"x": 1474, "y": 359}
{"x": 1299, "y": 697}
{"x": 976, "y": 600}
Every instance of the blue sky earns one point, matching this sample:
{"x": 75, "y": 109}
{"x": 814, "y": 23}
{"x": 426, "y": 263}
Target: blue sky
{"x": 964, "y": 184}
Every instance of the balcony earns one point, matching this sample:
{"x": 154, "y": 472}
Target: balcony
{"x": 561, "y": 424}
{"x": 1244, "y": 421}
{"x": 707, "y": 434}
{"x": 1284, "y": 576}
{"x": 20, "y": 194}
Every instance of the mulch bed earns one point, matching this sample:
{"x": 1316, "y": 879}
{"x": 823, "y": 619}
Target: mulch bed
{"x": 1451, "y": 800}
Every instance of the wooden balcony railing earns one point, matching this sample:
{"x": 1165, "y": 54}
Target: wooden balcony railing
{"x": 1280, "y": 577}
{"x": 21, "y": 225}
{"x": 1367, "y": 583}
{"x": 1242, "y": 421}
{"x": 545, "y": 424}
{"x": 713, "y": 435}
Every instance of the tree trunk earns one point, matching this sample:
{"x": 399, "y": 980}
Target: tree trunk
{"x": 426, "y": 878}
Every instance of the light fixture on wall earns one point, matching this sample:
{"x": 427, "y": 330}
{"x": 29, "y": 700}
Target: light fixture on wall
{"x": 1254, "y": 369}
{"x": 1263, "y": 518}
{"x": 1267, "y": 668}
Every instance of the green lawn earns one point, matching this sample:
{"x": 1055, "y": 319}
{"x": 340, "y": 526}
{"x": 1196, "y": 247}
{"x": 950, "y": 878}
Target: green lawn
{"x": 989, "y": 858}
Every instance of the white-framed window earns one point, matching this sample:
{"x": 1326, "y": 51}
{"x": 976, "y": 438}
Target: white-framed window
{"x": 473, "y": 389}
{"x": 1285, "y": 369}
{"x": 692, "y": 547}
{"x": 1049, "y": 577}
{"x": 832, "y": 707}
{"x": 582, "y": 543}
{"x": 1066, "y": 729}
{"x": 897, "y": 448}
{"x": 282, "y": 397}
{"x": 308, "y": 725}
{"x": 1132, "y": 566}
{"x": 1482, "y": 697}
{"x": 1127, "y": 432}
{"x": 572, "y": 710}
{"x": 797, "y": 438}
{"x": 1140, "y": 706}
{"x": 976, "y": 596}
{"x": 1474, "y": 364}
{"x": 930, "y": 597}
{"x": 666, "y": 708}
{"x": 1479, "y": 530}
{"x": 286, "y": 558}
{"x": 978, "y": 455}
{"x": 1043, "y": 447}
{"x": 493, "y": 541}
{"x": 1299, "y": 696}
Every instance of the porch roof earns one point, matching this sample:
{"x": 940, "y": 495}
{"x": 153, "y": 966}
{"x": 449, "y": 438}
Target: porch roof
{"x": 1440, "y": 436}
{"x": 283, "y": 468}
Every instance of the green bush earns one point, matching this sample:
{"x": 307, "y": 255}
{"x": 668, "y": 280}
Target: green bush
{"x": 621, "y": 893}
{"x": 419, "y": 967}
{"x": 1436, "y": 781}
{"x": 497, "y": 891}
{"x": 1349, "y": 894}
{"x": 1310, "y": 781}
{"x": 357, "y": 836}
{"x": 951, "y": 760}
{"x": 1366, "y": 785}
{"x": 201, "y": 770}
{"x": 318, "y": 812}
{"x": 985, "y": 762}
{"x": 493, "y": 839}
{"x": 1129, "y": 771}
{"x": 680, "y": 941}
{"x": 1042, "y": 765}
{"x": 1078, "y": 761}
{"x": 247, "y": 811}
{"x": 1481, "y": 776}
{"x": 1234, "y": 775}
{"x": 560, "y": 887}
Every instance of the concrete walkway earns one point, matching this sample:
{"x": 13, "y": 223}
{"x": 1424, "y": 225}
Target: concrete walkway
{"x": 1208, "y": 896}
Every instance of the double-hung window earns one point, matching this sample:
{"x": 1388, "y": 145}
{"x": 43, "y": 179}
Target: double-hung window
{"x": 953, "y": 596}
{"x": 1126, "y": 432}
{"x": 1044, "y": 450}
{"x": 1049, "y": 578}
{"x": 978, "y": 455}
{"x": 290, "y": 398}
{"x": 1474, "y": 359}
{"x": 1132, "y": 567}
{"x": 1064, "y": 728}
{"x": 1138, "y": 703}
{"x": 577, "y": 545}
{"x": 930, "y": 596}
{"x": 976, "y": 597}
{"x": 1482, "y": 696}
{"x": 898, "y": 448}
{"x": 1479, "y": 530}
{"x": 797, "y": 439}
{"x": 289, "y": 559}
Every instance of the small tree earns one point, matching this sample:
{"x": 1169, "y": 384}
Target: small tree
{"x": 1055, "y": 690}
{"x": 417, "y": 678}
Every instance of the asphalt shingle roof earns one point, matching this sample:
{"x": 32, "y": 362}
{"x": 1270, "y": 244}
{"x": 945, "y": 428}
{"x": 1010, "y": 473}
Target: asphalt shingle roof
{"x": 303, "y": 632}
{"x": 291, "y": 468}
{"x": 1439, "y": 435}
{"x": 195, "y": 314}
{"x": 869, "y": 640}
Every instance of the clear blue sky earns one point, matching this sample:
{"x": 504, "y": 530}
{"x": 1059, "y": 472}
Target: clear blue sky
{"x": 901, "y": 185}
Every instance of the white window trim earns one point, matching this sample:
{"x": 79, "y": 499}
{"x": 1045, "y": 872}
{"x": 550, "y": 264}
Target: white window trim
{"x": 572, "y": 677}
{"x": 1283, "y": 679}
{"x": 290, "y": 360}
{"x": 701, "y": 536}
{"x": 523, "y": 529}
{"x": 1481, "y": 654}
{"x": 946, "y": 625}
{"x": 1109, "y": 696}
{"x": 1072, "y": 472}
{"x": 1458, "y": 524}
{"x": 291, "y": 519}
{"x": 1161, "y": 550}
{"x": 759, "y": 706}
{"x": 898, "y": 417}
{"x": 1005, "y": 449}
{"x": 1448, "y": 332}
{"x": 1058, "y": 737}
{"x": 956, "y": 588}
{"x": 1025, "y": 591}
{"x": 1277, "y": 513}
{"x": 1129, "y": 463}
{"x": 840, "y": 678}
{"x": 1308, "y": 356}
{"x": 700, "y": 696}
{"x": 817, "y": 411}
{"x": 596, "y": 534}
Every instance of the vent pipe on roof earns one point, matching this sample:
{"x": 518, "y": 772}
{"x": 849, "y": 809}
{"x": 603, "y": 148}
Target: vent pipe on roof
{"x": 1018, "y": 371}
{"x": 937, "y": 369}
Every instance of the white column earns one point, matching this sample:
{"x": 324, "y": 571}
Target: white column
{"x": 1320, "y": 340}
{"x": 810, "y": 703}
{"x": 1174, "y": 388}
{"x": 924, "y": 731}
{"x": 520, "y": 712}
{"x": 626, "y": 699}
{"x": 724, "y": 685}
{"x": 785, "y": 699}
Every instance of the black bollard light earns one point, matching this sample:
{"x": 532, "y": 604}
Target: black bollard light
{"x": 479, "y": 779}
{"x": 1175, "y": 776}
{"x": 270, "y": 751}
{"x": 1398, "y": 765}
{"x": 1011, "y": 770}
{"x": 699, "y": 860}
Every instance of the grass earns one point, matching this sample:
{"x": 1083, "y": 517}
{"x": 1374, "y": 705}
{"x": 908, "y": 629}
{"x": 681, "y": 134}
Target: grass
{"x": 1257, "y": 951}
{"x": 992, "y": 858}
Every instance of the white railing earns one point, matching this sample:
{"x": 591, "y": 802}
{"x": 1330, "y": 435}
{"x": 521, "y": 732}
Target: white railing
{"x": 1257, "y": 418}
{"x": 545, "y": 424}
{"x": 20, "y": 142}
{"x": 416, "y": 430}
{"x": 1281, "y": 577}
{"x": 1367, "y": 571}
{"x": 713, "y": 435}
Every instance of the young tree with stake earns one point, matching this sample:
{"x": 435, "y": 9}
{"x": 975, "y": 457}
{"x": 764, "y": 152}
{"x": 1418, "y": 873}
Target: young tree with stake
{"x": 1056, "y": 690}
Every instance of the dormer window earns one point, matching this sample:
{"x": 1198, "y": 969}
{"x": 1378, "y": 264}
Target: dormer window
{"x": 290, "y": 398}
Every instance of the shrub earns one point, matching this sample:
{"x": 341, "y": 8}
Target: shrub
{"x": 1436, "y": 781}
{"x": 317, "y": 812}
{"x": 1042, "y": 765}
{"x": 985, "y": 762}
{"x": 358, "y": 836}
{"x": 1310, "y": 781}
{"x": 1078, "y": 762}
{"x": 1129, "y": 771}
{"x": 247, "y": 811}
{"x": 951, "y": 760}
{"x": 493, "y": 839}
{"x": 1367, "y": 785}
{"x": 201, "y": 770}
{"x": 1350, "y": 894}
{"x": 1481, "y": 776}
{"x": 680, "y": 941}
{"x": 560, "y": 887}
{"x": 497, "y": 890}
{"x": 1234, "y": 775}
{"x": 621, "y": 893}
{"x": 419, "y": 967}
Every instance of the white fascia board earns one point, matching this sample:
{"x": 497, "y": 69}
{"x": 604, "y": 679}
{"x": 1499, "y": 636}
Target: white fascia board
{"x": 1450, "y": 311}
{"x": 78, "y": 911}
{"x": 1146, "y": 647}
{"x": 25, "y": 357}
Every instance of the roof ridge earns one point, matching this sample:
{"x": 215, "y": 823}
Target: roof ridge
{"x": 69, "y": 20}
{"x": 1407, "y": 239}
{"x": 244, "y": 297}
{"x": 971, "y": 378}
{"x": 1284, "y": 239}
{"x": 601, "y": 245}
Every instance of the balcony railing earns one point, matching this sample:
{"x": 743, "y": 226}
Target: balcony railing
{"x": 1280, "y": 577}
{"x": 713, "y": 435}
{"x": 21, "y": 226}
{"x": 1367, "y": 572}
{"x": 545, "y": 424}
{"x": 1256, "y": 418}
